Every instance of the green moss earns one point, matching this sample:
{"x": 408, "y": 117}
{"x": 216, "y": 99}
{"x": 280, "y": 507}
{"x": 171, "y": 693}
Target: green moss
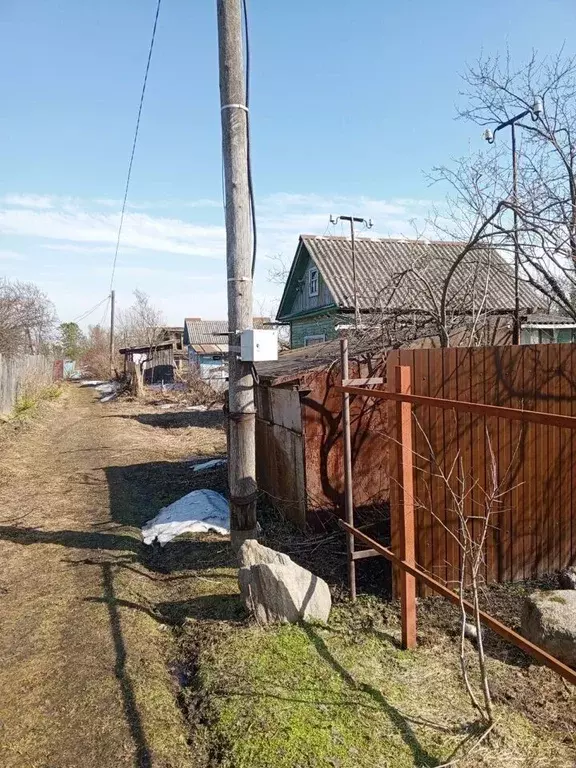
{"x": 557, "y": 599}
{"x": 344, "y": 696}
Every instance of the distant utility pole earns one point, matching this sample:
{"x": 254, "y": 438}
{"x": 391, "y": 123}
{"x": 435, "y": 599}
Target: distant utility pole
{"x": 112, "y": 303}
{"x": 241, "y": 410}
{"x": 352, "y": 219}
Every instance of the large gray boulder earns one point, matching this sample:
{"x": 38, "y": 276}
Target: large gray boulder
{"x": 276, "y": 589}
{"x": 549, "y": 620}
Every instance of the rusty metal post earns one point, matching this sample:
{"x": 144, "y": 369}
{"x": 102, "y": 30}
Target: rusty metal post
{"x": 348, "y": 488}
{"x": 407, "y": 533}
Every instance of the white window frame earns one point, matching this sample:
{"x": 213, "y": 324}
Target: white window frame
{"x": 313, "y": 280}
{"x": 317, "y": 338}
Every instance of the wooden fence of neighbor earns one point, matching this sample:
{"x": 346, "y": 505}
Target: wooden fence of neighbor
{"x": 21, "y": 375}
{"x": 534, "y": 525}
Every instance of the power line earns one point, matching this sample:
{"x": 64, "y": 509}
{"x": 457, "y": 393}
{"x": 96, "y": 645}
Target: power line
{"x": 90, "y": 311}
{"x": 248, "y": 158}
{"x": 101, "y": 323}
{"x": 151, "y": 48}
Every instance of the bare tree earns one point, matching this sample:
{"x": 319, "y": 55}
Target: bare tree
{"x": 27, "y": 318}
{"x": 141, "y": 324}
{"x": 96, "y": 355}
{"x": 482, "y": 202}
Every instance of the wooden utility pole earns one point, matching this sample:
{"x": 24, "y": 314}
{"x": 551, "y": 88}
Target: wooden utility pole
{"x": 241, "y": 410}
{"x": 112, "y": 303}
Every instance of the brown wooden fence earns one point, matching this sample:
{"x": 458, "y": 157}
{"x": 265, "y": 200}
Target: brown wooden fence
{"x": 534, "y": 530}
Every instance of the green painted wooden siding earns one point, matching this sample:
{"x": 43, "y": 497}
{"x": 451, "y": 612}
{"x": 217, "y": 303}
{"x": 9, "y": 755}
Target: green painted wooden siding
{"x": 312, "y": 326}
{"x": 302, "y": 300}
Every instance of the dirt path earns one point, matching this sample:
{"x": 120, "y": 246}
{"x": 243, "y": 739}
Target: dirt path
{"x": 83, "y": 673}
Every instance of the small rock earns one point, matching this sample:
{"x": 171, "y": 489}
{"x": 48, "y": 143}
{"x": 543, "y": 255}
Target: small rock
{"x": 568, "y": 578}
{"x": 275, "y": 589}
{"x": 470, "y": 631}
{"x": 549, "y": 620}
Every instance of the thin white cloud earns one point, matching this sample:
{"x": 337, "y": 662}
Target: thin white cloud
{"x": 28, "y": 201}
{"x": 156, "y": 247}
{"x": 140, "y": 231}
{"x": 12, "y": 256}
{"x": 75, "y": 248}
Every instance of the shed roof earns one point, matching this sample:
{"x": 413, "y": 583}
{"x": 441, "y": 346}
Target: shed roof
{"x": 147, "y": 348}
{"x": 399, "y": 274}
{"x": 552, "y": 319}
{"x": 205, "y": 331}
{"x": 209, "y": 349}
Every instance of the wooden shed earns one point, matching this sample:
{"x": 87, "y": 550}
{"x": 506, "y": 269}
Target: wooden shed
{"x": 156, "y": 362}
{"x": 299, "y": 449}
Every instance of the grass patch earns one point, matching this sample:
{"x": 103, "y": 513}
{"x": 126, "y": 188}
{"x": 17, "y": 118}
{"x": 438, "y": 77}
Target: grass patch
{"x": 24, "y": 405}
{"x": 345, "y": 695}
{"x": 27, "y": 402}
{"x": 557, "y": 599}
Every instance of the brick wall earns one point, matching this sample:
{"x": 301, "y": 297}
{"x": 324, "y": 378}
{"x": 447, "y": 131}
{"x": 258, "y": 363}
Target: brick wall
{"x": 312, "y": 326}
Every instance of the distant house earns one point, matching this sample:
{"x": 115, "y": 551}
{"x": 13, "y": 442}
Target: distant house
{"x": 173, "y": 333}
{"x": 156, "y": 363}
{"x": 207, "y": 345}
{"x": 547, "y": 329}
{"x": 394, "y": 278}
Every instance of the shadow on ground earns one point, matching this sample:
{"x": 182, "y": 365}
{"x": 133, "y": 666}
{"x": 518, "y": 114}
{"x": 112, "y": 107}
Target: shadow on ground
{"x": 177, "y": 419}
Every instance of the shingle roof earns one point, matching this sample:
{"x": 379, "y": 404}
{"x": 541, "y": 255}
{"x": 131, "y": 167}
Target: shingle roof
{"x": 409, "y": 274}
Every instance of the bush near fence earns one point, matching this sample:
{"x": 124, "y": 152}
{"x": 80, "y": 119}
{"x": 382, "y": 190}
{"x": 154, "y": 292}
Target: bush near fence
{"x": 24, "y": 376}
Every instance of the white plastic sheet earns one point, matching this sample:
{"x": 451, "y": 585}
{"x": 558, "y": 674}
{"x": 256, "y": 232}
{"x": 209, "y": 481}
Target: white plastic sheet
{"x": 209, "y": 464}
{"x": 197, "y": 512}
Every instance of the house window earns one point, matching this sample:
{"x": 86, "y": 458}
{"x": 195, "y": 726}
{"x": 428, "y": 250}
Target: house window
{"x": 313, "y": 282}
{"x": 317, "y": 339}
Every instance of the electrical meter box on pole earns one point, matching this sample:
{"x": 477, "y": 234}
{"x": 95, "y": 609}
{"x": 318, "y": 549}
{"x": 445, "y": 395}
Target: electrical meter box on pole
{"x": 257, "y": 345}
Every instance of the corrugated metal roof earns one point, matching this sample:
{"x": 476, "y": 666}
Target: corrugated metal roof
{"x": 409, "y": 274}
{"x": 211, "y": 331}
{"x": 548, "y": 320}
{"x": 206, "y": 331}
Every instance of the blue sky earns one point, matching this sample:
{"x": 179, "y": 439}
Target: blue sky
{"x": 351, "y": 104}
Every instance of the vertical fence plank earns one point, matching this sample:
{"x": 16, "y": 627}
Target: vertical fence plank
{"x": 407, "y": 533}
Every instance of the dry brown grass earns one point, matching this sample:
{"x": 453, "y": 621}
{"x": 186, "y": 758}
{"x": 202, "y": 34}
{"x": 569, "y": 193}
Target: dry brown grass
{"x": 108, "y": 646}
{"x": 85, "y": 645}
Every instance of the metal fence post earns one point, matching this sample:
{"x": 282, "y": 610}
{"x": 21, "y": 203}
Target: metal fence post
{"x": 406, "y": 499}
{"x": 348, "y": 481}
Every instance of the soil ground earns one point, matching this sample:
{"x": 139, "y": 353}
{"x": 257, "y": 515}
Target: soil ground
{"x": 115, "y": 654}
{"x": 84, "y": 668}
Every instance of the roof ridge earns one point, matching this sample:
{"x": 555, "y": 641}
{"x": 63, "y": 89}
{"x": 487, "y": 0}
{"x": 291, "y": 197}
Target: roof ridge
{"x": 424, "y": 241}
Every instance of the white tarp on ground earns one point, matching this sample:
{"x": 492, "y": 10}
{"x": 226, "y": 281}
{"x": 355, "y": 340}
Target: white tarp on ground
{"x": 197, "y": 512}
{"x": 208, "y": 464}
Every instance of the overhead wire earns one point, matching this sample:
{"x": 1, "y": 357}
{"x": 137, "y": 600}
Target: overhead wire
{"x": 248, "y": 152}
{"x": 134, "y": 143}
{"x": 88, "y": 312}
{"x": 105, "y": 312}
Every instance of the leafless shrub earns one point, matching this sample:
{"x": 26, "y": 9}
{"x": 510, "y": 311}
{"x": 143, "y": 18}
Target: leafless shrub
{"x": 140, "y": 325}
{"x": 27, "y": 318}
{"x": 96, "y": 357}
{"x": 475, "y": 509}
